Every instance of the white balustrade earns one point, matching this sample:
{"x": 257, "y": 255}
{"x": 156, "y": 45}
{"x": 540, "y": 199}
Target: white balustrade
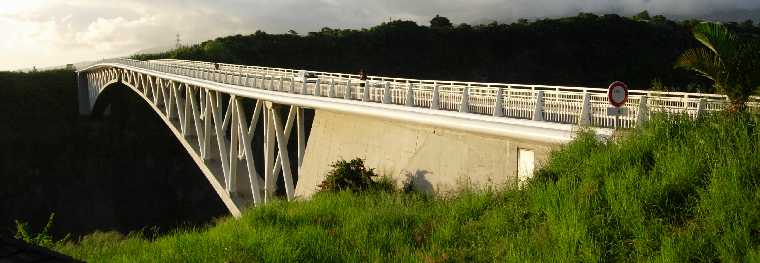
{"x": 573, "y": 105}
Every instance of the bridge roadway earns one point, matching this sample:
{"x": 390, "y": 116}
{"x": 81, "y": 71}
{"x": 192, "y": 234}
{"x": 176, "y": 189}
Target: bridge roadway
{"x": 236, "y": 123}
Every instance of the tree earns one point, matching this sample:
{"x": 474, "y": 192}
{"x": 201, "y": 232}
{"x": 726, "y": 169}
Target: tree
{"x": 440, "y": 22}
{"x": 732, "y": 64}
{"x": 644, "y": 15}
{"x": 747, "y": 23}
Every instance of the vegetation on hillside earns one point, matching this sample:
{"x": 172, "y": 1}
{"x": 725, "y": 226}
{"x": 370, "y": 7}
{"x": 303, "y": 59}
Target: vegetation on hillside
{"x": 353, "y": 176}
{"x": 87, "y": 170}
{"x": 585, "y": 50}
{"x": 675, "y": 190}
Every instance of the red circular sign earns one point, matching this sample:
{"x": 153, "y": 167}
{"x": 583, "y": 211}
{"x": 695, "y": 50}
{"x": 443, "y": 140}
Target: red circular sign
{"x": 617, "y": 93}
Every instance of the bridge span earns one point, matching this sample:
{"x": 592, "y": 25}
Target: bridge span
{"x": 237, "y": 123}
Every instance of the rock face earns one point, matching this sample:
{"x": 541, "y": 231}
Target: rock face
{"x": 102, "y": 173}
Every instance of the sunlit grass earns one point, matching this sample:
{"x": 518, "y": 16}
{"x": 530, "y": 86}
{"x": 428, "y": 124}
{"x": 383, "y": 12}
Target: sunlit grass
{"x": 674, "y": 191}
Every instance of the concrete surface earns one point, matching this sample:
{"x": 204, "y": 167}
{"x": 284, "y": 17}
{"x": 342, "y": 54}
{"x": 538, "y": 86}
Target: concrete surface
{"x": 436, "y": 159}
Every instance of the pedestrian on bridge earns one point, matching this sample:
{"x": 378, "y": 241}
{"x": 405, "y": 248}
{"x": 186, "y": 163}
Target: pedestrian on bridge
{"x": 362, "y": 77}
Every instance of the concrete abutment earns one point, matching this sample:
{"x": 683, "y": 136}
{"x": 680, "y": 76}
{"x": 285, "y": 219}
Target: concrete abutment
{"x": 436, "y": 159}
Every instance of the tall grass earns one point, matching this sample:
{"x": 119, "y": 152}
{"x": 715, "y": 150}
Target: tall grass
{"x": 673, "y": 191}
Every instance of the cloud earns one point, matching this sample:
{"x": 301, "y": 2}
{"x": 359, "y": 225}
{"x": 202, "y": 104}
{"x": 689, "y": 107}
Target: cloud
{"x": 54, "y": 32}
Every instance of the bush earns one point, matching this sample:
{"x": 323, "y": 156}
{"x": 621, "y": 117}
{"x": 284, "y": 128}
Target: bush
{"x": 353, "y": 176}
{"x": 43, "y": 238}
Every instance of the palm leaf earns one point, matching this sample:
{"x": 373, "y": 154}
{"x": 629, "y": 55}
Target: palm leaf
{"x": 702, "y": 61}
{"x": 716, "y": 37}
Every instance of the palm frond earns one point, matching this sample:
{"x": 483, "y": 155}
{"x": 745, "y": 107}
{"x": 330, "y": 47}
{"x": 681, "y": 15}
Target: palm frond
{"x": 702, "y": 61}
{"x": 716, "y": 37}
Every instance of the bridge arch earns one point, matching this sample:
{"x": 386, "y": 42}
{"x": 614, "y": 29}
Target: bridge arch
{"x": 221, "y": 111}
{"x": 223, "y": 134}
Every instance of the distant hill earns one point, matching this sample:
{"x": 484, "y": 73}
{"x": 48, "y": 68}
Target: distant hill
{"x": 154, "y": 50}
{"x": 738, "y": 15}
{"x": 585, "y": 50}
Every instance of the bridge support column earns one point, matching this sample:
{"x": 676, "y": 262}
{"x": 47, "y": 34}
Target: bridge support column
{"x": 85, "y": 103}
{"x": 387, "y": 93}
{"x": 643, "y": 114}
{"x": 269, "y": 143}
{"x": 434, "y": 104}
{"x": 585, "y": 118}
{"x": 318, "y": 89}
{"x": 347, "y": 92}
{"x": 410, "y": 95}
{"x": 538, "y": 111}
{"x": 464, "y": 106}
{"x": 498, "y": 108}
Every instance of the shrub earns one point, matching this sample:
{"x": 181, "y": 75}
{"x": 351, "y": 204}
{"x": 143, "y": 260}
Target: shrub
{"x": 43, "y": 238}
{"x": 353, "y": 176}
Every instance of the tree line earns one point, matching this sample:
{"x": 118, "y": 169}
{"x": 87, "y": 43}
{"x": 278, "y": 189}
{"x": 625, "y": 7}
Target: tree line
{"x": 584, "y": 50}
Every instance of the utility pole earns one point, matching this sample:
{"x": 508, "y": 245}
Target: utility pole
{"x": 178, "y": 45}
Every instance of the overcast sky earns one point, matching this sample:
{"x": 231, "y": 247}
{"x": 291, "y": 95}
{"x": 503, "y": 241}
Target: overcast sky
{"x": 56, "y": 32}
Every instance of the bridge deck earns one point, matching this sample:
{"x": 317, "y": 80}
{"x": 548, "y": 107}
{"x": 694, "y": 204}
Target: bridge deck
{"x": 556, "y": 104}
{"x": 230, "y": 120}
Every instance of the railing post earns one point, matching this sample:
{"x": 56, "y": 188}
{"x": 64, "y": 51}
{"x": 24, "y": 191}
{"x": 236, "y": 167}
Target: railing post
{"x": 585, "y": 118}
{"x": 387, "y": 93}
{"x": 435, "y": 102}
{"x": 347, "y": 93}
{"x": 643, "y": 112}
{"x": 331, "y": 92}
{"x": 303, "y": 87}
{"x": 318, "y": 89}
{"x": 538, "y": 112}
{"x": 464, "y": 106}
{"x": 410, "y": 95}
{"x": 498, "y": 107}
{"x": 367, "y": 86}
{"x": 700, "y": 107}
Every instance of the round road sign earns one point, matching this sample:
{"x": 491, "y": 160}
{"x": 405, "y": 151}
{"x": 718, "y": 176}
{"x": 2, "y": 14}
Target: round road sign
{"x": 617, "y": 93}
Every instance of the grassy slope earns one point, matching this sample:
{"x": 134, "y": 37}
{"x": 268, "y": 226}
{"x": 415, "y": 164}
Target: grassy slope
{"x": 676, "y": 190}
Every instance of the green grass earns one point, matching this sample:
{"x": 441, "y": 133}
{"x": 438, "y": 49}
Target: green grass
{"x": 673, "y": 191}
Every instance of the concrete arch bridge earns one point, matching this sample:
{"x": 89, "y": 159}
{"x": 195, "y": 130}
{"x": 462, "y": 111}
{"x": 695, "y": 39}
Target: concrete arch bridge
{"x": 259, "y": 132}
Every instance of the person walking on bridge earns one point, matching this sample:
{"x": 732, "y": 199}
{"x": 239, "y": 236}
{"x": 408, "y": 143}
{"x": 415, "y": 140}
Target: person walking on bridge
{"x": 362, "y": 77}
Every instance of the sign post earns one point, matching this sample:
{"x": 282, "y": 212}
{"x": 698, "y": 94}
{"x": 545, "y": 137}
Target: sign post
{"x": 617, "y": 94}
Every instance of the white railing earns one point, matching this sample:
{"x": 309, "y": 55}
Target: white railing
{"x": 572, "y": 105}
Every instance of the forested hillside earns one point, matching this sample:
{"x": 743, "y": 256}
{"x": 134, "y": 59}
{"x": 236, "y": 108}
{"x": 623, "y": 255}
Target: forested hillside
{"x": 124, "y": 172}
{"x": 585, "y": 50}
